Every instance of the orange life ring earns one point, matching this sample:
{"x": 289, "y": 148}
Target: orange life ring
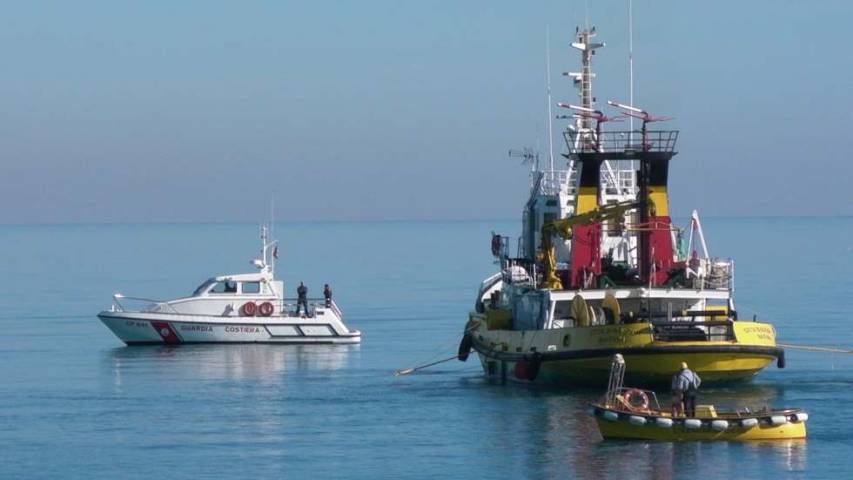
{"x": 249, "y": 309}
{"x": 265, "y": 309}
{"x": 633, "y": 394}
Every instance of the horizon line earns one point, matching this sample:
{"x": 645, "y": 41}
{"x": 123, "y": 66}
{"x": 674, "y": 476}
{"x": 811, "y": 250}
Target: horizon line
{"x": 386, "y": 220}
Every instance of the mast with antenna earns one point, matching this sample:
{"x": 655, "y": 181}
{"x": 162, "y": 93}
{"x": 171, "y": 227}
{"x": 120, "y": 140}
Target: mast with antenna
{"x": 631, "y": 62}
{"x": 584, "y": 78}
{"x": 548, "y": 83}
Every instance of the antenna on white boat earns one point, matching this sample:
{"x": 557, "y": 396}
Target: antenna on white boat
{"x": 274, "y": 255}
{"x": 267, "y": 261}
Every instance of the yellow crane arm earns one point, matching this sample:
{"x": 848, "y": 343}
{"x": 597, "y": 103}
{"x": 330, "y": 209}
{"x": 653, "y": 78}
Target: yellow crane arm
{"x": 563, "y": 228}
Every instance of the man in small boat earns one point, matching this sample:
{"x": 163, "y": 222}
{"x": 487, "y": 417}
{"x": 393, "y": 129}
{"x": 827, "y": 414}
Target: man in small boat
{"x": 685, "y": 384}
{"x": 301, "y": 298}
{"x": 327, "y": 292}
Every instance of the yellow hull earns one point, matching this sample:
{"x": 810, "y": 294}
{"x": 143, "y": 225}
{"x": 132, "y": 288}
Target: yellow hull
{"x": 583, "y": 354}
{"x": 677, "y": 433}
{"x": 656, "y": 368}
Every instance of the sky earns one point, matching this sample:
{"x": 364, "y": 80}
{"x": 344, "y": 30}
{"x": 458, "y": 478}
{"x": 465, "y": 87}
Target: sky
{"x": 208, "y": 111}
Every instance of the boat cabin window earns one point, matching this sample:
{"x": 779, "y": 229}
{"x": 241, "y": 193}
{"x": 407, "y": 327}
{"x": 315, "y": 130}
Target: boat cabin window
{"x": 203, "y": 287}
{"x": 227, "y": 286}
{"x": 251, "y": 287}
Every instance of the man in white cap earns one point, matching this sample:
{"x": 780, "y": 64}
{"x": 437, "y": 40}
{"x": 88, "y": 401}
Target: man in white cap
{"x": 685, "y": 383}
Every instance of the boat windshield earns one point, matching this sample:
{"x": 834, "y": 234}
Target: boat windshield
{"x": 204, "y": 286}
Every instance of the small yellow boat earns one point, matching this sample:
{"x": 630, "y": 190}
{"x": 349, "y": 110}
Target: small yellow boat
{"x": 632, "y": 413}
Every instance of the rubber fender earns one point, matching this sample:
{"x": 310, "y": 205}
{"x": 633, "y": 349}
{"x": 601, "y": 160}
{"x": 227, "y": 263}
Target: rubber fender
{"x": 465, "y": 347}
{"x": 693, "y": 423}
{"x": 720, "y": 425}
{"x": 777, "y": 420}
{"x": 800, "y": 417}
{"x": 749, "y": 422}
{"x": 663, "y": 422}
{"x": 780, "y": 360}
{"x": 611, "y": 416}
{"x": 636, "y": 420}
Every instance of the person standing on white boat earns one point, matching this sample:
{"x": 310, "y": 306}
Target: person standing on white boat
{"x": 327, "y": 292}
{"x": 301, "y": 298}
{"x": 685, "y": 384}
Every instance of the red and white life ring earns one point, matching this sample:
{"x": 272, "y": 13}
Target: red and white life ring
{"x": 636, "y": 400}
{"x": 265, "y": 309}
{"x": 249, "y": 309}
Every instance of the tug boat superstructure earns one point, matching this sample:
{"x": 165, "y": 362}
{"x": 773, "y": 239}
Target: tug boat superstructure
{"x": 239, "y": 308}
{"x": 600, "y": 268}
{"x": 633, "y": 413}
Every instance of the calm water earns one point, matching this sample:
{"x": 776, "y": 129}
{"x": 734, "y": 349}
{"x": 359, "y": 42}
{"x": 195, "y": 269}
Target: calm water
{"x": 75, "y": 403}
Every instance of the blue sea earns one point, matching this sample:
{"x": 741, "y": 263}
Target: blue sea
{"x": 76, "y": 403}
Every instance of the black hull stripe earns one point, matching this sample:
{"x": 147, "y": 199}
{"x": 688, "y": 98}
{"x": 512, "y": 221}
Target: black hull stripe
{"x": 775, "y": 352}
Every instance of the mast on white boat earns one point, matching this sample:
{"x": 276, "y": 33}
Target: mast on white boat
{"x": 267, "y": 261}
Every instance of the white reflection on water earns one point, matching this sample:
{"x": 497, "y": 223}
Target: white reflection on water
{"x": 261, "y": 362}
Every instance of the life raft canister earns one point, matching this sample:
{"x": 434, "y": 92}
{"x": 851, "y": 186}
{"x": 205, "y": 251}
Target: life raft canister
{"x": 637, "y": 400}
{"x": 265, "y": 309}
{"x": 249, "y": 309}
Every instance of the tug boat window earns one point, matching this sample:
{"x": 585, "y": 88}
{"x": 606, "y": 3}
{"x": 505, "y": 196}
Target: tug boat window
{"x": 227, "y": 286}
{"x": 251, "y": 287}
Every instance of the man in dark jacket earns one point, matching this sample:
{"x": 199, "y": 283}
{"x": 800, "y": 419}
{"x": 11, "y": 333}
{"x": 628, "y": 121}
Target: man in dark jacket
{"x": 685, "y": 384}
{"x": 301, "y": 298}
{"x": 327, "y": 292}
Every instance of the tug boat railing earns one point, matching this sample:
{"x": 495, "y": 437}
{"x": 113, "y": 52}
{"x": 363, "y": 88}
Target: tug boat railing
{"x": 707, "y": 331}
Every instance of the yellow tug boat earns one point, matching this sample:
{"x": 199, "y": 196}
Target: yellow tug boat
{"x": 632, "y": 413}
{"x": 600, "y": 268}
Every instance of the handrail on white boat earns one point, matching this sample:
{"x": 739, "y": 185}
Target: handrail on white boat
{"x": 121, "y": 308}
{"x": 285, "y": 305}
{"x": 313, "y": 303}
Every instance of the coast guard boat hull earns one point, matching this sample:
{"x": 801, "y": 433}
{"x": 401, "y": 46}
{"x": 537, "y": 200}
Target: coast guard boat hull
{"x": 140, "y": 328}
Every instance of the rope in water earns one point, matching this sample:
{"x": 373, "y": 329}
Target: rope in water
{"x": 407, "y": 371}
{"x": 812, "y": 348}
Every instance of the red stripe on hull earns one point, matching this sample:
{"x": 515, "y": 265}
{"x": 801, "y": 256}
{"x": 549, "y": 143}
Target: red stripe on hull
{"x": 166, "y": 332}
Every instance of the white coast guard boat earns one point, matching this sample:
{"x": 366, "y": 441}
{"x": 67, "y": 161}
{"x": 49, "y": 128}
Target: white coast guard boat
{"x": 242, "y": 308}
